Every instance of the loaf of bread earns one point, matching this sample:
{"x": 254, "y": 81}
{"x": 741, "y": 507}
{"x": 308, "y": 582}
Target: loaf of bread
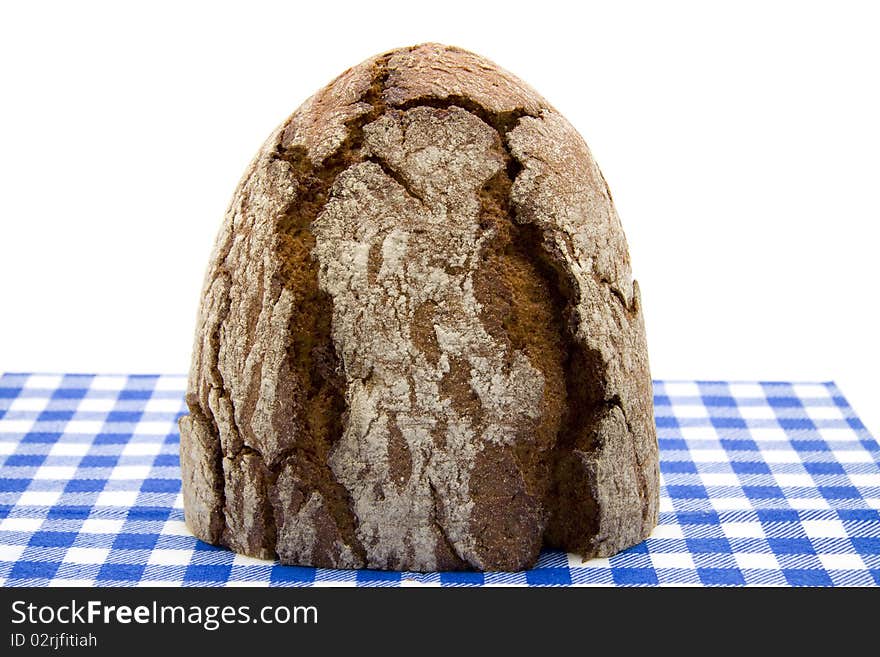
{"x": 419, "y": 345}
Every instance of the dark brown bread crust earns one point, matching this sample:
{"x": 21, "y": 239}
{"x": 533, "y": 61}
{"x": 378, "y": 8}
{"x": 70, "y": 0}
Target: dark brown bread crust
{"x": 419, "y": 345}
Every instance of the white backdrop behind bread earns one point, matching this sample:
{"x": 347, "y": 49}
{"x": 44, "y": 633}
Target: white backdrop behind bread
{"x": 741, "y": 146}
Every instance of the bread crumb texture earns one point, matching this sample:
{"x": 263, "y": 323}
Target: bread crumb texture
{"x": 419, "y": 345}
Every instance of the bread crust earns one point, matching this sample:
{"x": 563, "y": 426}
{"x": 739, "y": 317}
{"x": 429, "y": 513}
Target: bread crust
{"x": 419, "y": 345}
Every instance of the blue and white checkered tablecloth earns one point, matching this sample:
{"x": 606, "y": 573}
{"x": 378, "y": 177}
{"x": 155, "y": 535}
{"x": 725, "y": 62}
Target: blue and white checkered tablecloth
{"x": 765, "y": 483}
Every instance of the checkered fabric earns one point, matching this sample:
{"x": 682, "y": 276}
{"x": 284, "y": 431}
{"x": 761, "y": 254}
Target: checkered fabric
{"x": 762, "y": 484}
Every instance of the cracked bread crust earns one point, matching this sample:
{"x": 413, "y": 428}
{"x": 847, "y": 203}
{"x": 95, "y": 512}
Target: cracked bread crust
{"x": 419, "y": 345}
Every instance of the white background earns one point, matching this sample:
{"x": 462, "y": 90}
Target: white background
{"x": 741, "y": 144}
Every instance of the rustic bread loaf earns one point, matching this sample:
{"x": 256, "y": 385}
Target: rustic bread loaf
{"x": 419, "y": 345}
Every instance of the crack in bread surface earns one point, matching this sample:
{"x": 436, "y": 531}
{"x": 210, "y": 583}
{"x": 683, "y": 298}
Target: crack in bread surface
{"x": 524, "y": 304}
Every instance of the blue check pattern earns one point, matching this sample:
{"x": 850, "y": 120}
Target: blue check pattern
{"x": 763, "y": 483}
